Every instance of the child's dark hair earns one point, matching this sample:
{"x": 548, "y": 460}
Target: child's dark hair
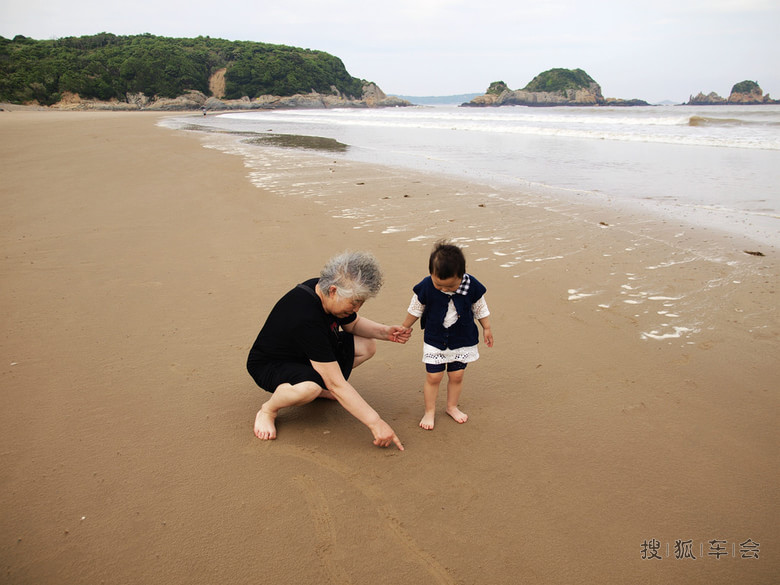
{"x": 446, "y": 261}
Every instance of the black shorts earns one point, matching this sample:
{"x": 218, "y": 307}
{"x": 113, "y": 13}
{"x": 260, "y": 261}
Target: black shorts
{"x": 450, "y": 366}
{"x": 270, "y": 375}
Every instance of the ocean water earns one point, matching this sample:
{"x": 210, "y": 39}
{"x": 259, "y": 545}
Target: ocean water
{"x": 715, "y": 166}
{"x": 672, "y": 170}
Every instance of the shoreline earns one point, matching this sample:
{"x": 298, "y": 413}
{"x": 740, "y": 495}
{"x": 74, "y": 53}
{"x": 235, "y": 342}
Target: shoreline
{"x": 138, "y": 267}
{"x": 745, "y": 218}
{"x": 518, "y": 235}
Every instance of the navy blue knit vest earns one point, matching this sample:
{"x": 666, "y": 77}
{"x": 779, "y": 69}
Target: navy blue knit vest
{"x": 462, "y": 333}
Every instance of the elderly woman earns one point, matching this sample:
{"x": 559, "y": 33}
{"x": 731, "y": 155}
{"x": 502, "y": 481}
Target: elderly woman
{"x": 312, "y": 339}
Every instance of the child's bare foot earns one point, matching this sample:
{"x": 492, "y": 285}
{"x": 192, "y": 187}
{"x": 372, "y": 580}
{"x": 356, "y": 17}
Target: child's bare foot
{"x": 427, "y": 421}
{"x": 265, "y": 427}
{"x": 456, "y": 413}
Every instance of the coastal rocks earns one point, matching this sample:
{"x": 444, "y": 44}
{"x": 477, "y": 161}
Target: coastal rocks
{"x": 372, "y": 97}
{"x": 590, "y": 96}
{"x": 488, "y": 99}
{"x": 192, "y": 100}
{"x": 711, "y": 99}
{"x": 753, "y": 97}
{"x": 72, "y": 101}
{"x": 310, "y": 101}
{"x": 618, "y": 102}
{"x": 137, "y": 99}
{"x": 68, "y": 101}
{"x": 743, "y": 93}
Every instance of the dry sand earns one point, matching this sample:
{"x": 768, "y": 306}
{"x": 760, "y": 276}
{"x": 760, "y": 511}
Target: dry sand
{"x": 137, "y": 269}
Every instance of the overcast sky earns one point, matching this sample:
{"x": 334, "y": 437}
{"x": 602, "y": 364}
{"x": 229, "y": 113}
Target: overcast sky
{"x": 661, "y": 49}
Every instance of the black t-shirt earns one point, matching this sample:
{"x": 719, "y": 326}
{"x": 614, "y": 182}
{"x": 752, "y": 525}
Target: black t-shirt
{"x": 298, "y": 330}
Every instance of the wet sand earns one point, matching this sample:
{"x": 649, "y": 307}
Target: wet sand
{"x": 138, "y": 267}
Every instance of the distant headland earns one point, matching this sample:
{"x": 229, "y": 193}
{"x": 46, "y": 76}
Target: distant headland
{"x": 147, "y": 72}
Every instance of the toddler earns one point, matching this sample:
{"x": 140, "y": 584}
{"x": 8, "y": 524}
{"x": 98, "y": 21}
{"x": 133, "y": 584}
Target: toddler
{"x": 447, "y": 302}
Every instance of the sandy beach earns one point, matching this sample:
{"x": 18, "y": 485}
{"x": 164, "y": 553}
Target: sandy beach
{"x": 137, "y": 269}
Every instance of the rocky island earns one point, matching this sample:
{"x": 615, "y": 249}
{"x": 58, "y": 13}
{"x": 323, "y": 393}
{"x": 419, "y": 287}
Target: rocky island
{"x": 555, "y": 87}
{"x": 743, "y": 93}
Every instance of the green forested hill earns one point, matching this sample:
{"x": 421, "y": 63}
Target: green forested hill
{"x": 560, "y": 80}
{"x": 107, "y": 66}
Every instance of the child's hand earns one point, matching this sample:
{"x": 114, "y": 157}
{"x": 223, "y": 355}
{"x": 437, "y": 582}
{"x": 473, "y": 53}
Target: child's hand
{"x": 400, "y": 334}
{"x": 488, "y": 337}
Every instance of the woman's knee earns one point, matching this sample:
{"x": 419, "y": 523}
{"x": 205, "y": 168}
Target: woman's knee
{"x": 308, "y": 390}
{"x": 365, "y": 349}
{"x": 300, "y": 393}
{"x": 370, "y": 347}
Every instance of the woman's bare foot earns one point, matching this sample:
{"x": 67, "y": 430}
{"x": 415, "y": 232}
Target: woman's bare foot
{"x": 427, "y": 421}
{"x": 265, "y": 427}
{"x": 456, "y": 413}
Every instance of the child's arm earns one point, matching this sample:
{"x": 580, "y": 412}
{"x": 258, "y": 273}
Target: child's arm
{"x": 414, "y": 312}
{"x": 409, "y": 321}
{"x": 486, "y": 331}
{"x": 482, "y": 313}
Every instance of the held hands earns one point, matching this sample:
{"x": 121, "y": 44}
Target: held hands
{"x": 399, "y": 334}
